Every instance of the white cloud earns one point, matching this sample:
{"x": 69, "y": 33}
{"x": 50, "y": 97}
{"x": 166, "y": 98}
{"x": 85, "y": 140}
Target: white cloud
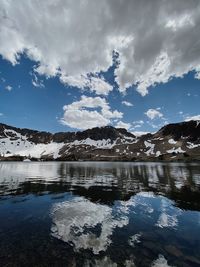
{"x": 122, "y": 124}
{"x": 74, "y": 38}
{"x": 137, "y": 124}
{"x": 9, "y": 88}
{"x": 100, "y": 86}
{"x": 85, "y": 113}
{"x": 36, "y": 81}
{"x": 197, "y": 74}
{"x": 139, "y": 133}
{"x": 126, "y": 103}
{"x": 153, "y": 113}
{"x": 175, "y": 24}
{"x": 194, "y": 118}
{"x": 157, "y": 125}
{"x": 1, "y": 114}
{"x": 95, "y": 84}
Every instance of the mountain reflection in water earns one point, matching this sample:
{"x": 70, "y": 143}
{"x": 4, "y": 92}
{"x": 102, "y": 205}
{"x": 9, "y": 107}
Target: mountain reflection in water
{"x": 99, "y": 214}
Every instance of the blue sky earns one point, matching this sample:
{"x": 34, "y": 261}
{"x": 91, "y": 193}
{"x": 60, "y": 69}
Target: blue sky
{"x": 51, "y": 86}
{"x": 26, "y": 105}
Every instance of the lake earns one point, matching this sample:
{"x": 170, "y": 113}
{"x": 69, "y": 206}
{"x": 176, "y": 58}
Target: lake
{"x": 99, "y": 214}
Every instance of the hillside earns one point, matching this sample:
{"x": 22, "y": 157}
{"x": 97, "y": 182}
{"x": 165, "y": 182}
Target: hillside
{"x": 179, "y": 141}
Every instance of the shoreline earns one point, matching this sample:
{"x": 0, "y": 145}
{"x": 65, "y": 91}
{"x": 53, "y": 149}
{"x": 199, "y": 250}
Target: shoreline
{"x": 103, "y": 160}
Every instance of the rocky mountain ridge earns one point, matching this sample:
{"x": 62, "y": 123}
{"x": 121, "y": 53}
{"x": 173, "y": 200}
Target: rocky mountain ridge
{"x": 178, "y": 141}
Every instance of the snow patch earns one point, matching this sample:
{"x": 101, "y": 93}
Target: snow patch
{"x": 172, "y": 141}
{"x": 175, "y": 150}
{"x": 151, "y": 149}
{"x": 104, "y": 143}
{"x": 191, "y": 145}
{"x": 158, "y": 153}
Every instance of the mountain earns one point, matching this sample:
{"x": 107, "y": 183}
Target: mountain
{"x": 178, "y": 141}
{"x": 189, "y": 130}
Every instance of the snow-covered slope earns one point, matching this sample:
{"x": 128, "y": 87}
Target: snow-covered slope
{"x": 34, "y": 144}
{"x": 173, "y": 141}
{"x": 14, "y": 143}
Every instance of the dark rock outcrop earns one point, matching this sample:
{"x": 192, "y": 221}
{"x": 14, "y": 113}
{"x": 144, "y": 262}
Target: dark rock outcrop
{"x": 189, "y": 130}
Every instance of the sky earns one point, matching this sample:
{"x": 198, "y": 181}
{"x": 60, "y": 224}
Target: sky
{"x": 73, "y": 65}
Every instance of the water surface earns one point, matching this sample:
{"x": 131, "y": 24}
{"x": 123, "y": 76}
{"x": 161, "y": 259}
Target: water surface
{"x": 99, "y": 214}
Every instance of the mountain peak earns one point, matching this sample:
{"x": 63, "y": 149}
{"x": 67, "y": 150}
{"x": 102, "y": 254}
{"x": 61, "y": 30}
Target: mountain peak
{"x": 189, "y": 129}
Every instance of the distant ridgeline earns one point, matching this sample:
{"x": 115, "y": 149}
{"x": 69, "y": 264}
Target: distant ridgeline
{"x": 179, "y": 141}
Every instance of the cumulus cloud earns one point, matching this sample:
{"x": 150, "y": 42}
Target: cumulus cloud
{"x": 85, "y": 113}
{"x": 95, "y": 84}
{"x": 8, "y": 88}
{"x": 153, "y": 113}
{"x": 155, "y": 40}
{"x": 193, "y": 118}
{"x": 126, "y": 103}
{"x": 122, "y": 124}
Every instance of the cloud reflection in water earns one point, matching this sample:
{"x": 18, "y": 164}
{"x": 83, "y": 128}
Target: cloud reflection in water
{"x": 76, "y": 221}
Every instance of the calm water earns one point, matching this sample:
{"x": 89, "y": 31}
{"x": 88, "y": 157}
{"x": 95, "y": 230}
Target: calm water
{"x": 99, "y": 214}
